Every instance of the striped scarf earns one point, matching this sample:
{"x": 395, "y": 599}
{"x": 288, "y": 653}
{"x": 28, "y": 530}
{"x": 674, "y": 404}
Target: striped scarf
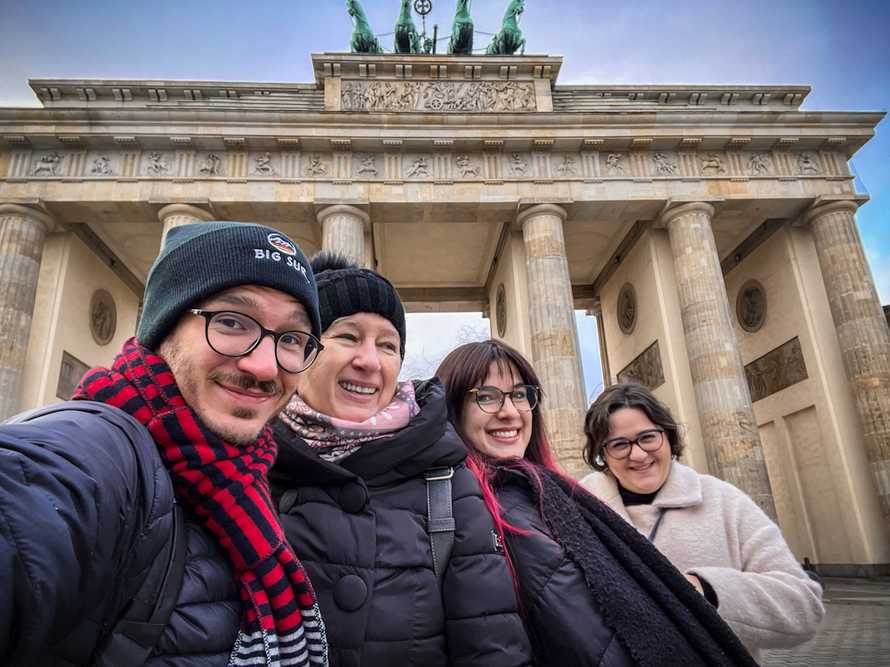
{"x": 227, "y": 487}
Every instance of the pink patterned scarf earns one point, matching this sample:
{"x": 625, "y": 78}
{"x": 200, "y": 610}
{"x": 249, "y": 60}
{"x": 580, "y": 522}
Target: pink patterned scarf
{"x": 334, "y": 439}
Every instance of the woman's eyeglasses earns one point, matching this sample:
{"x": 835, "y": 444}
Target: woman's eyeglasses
{"x": 620, "y": 448}
{"x": 524, "y": 398}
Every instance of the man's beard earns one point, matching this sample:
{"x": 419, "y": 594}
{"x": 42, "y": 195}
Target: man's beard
{"x": 186, "y": 379}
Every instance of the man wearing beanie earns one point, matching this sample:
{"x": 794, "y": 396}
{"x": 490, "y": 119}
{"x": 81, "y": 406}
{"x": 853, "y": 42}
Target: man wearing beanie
{"x": 361, "y": 456}
{"x": 136, "y": 521}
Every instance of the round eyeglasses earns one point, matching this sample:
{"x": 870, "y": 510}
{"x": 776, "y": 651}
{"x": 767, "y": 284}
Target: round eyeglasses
{"x": 620, "y": 448}
{"x": 234, "y": 334}
{"x": 491, "y": 399}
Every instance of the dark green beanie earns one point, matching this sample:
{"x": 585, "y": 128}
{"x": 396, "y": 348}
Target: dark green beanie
{"x": 199, "y": 260}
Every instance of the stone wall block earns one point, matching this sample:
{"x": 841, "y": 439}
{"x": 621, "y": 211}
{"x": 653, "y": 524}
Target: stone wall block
{"x": 22, "y": 236}
{"x": 862, "y": 331}
{"x": 724, "y": 404}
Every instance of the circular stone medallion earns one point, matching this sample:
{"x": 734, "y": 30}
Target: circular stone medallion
{"x": 103, "y": 317}
{"x": 501, "y": 310}
{"x": 627, "y": 308}
{"x": 750, "y": 306}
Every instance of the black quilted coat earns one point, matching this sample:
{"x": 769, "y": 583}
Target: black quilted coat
{"x": 85, "y": 507}
{"x": 360, "y": 530}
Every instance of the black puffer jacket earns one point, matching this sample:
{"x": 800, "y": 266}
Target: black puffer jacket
{"x": 85, "y": 507}
{"x": 564, "y": 622}
{"x": 360, "y": 530}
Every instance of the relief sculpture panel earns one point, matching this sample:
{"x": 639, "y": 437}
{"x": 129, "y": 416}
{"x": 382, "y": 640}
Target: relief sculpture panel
{"x": 437, "y": 96}
{"x": 776, "y": 370}
{"x": 646, "y": 369}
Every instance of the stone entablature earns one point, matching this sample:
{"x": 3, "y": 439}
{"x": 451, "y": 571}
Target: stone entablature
{"x": 441, "y": 67}
{"x": 749, "y": 98}
{"x": 115, "y": 94}
{"x": 444, "y": 164}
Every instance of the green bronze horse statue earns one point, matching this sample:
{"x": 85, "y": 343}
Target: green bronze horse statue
{"x": 461, "y": 42}
{"x": 363, "y": 40}
{"x": 407, "y": 39}
{"x": 509, "y": 40}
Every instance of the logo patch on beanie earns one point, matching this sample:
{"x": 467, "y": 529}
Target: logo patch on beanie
{"x": 282, "y": 243}
{"x": 283, "y": 246}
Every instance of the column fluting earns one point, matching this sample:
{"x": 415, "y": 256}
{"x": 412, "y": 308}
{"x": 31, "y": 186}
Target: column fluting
{"x": 729, "y": 429}
{"x": 343, "y": 231}
{"x": 553, "y": 336}
{"x": 176, "y": 215}
{"x": 23, "y": 233}
{"x": 862, "y": 332}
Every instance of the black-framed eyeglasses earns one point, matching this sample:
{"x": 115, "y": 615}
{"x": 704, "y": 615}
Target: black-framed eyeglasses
{"x": 649, "y": 441}
{"x": 491, "y": 399}
{"x": 234, "y": 334}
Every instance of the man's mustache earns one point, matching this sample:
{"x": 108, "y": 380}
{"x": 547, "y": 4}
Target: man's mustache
{"x": 247, "y": 382}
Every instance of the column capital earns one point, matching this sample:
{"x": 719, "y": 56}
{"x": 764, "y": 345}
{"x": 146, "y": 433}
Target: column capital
{"x": 185, "y": 210}
{"x": 344, "y": 209}
{"x": 820, "y": 208}
{"x": 28, "y": 212}
{"x": 541, "y": 209}
{"x": 672, "y": 212}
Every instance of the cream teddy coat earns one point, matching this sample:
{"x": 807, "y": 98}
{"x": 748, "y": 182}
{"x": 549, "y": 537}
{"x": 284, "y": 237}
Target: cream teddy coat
{"x": 716, "y": 532}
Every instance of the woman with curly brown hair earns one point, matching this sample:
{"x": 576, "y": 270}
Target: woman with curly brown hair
{"x": 593, "y": 591}
{"x": 712, "y": 532}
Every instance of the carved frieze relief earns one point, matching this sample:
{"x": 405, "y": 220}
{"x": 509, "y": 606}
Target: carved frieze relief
{"x": 438, "y": 96}
{"x": 210, "y": 164}
{"x": 436, "y": 164}
{"x": 47, "y": 164}
{"x": 759, "y": 164}
{"x": 646, "y": 369}
{"x": 101, "y": 165}
{"x": 664, "y": 164}
{"x": 157, "y": 163}
{"x": 263, "y": 164}
{"x": 776, "y": 370}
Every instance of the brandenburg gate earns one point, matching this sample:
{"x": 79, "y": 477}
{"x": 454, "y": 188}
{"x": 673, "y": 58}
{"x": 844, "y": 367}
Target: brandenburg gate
{"x": 710, "y": 229}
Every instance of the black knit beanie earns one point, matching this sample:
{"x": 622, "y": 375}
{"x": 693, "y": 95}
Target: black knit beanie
{"x": 345, "y": 289}
{"x": 202, "y": 259}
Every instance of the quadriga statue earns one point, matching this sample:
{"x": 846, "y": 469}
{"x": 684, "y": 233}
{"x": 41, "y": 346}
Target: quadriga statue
{"x": 407, "y": 39}
{"x": 509, "y": 39}
{"x": 363, "y": 40}
{"x": 461, "y": 42}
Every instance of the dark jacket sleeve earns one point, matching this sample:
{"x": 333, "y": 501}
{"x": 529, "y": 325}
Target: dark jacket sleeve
{"x": 565, "y": 623}
{"x": 483, "y": 626}
{"x": 84, "y": 504}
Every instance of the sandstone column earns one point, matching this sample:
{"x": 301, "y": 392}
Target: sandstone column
{"x": 862, "y": 331}
{"x": 553, "y": 335}
{"x": 23, "y": 232}
{"x": 343, "y": 231}
{"x": 176, "y": 215}
{"x": 730, "y": 434}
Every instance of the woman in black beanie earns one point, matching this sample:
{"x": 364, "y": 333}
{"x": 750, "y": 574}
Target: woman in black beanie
{"x": 373, "y": 492}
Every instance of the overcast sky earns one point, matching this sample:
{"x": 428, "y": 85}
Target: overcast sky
{"x": 839, "y": 48}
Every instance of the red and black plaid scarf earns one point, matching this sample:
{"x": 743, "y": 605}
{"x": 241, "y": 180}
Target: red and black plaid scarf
{"x": 227, "y": 487}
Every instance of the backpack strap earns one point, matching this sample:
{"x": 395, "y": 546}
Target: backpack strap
{"x": 136, "y": 633}
{"x": 440, "y": 518}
